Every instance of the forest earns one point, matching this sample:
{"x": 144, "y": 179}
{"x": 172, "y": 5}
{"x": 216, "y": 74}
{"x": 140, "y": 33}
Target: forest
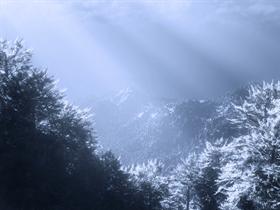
{"x": 50, "y": 158}
{"x": 139, "y": 105}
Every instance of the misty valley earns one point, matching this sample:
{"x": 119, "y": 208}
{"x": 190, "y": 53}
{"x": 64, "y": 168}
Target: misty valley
{"x": 170, "y": 105}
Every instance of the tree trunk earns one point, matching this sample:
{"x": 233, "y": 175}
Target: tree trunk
{"x": 188, "y": 199}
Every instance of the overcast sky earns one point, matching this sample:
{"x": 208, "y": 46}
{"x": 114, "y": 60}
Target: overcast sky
{"x": 168, "y": 48}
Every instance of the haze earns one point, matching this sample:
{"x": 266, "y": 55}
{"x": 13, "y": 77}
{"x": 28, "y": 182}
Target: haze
{"x": 173, "y": 49}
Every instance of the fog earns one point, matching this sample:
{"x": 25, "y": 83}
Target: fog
{"x": 183, "y": 98}
{"x": 173, "y": 49}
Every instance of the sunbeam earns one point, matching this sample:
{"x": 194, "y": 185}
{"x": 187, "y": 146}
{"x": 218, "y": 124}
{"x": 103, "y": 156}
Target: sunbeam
{"x": 176, "y": 104}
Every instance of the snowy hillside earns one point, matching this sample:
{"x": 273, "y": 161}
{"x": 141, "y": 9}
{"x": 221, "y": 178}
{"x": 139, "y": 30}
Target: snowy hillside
{"x": 139, "y": 127}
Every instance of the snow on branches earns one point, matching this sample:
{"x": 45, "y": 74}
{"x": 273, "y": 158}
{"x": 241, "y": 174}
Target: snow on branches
{"x": 251, "y": 175}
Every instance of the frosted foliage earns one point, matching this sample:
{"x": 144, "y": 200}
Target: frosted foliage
{"x": 212, "y": 152}
{"x": 253, "y": 162}
{"x": 151, "y": 172}
{"x": 260, "y": 107}
{"x": 181, "y": 184}
{"x": 14, "y": 56}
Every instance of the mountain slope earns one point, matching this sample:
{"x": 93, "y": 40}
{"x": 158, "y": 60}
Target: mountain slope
{"x": 139, "y": 127}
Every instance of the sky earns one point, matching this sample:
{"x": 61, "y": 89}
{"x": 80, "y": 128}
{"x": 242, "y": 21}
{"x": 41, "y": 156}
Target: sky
{"x": 166, "y": 48}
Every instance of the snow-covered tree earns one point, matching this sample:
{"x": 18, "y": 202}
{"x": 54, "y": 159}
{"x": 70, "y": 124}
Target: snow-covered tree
{"x": 251, "y": 176}
{"x": 151, "y": 171}
{"x": 206, "y": 185}
{"x": 181, "y": 185}
{"x": 150, "y": 175}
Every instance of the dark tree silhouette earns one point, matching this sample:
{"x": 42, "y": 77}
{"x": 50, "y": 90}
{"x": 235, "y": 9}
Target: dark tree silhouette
{"x": 47, "y": 147}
